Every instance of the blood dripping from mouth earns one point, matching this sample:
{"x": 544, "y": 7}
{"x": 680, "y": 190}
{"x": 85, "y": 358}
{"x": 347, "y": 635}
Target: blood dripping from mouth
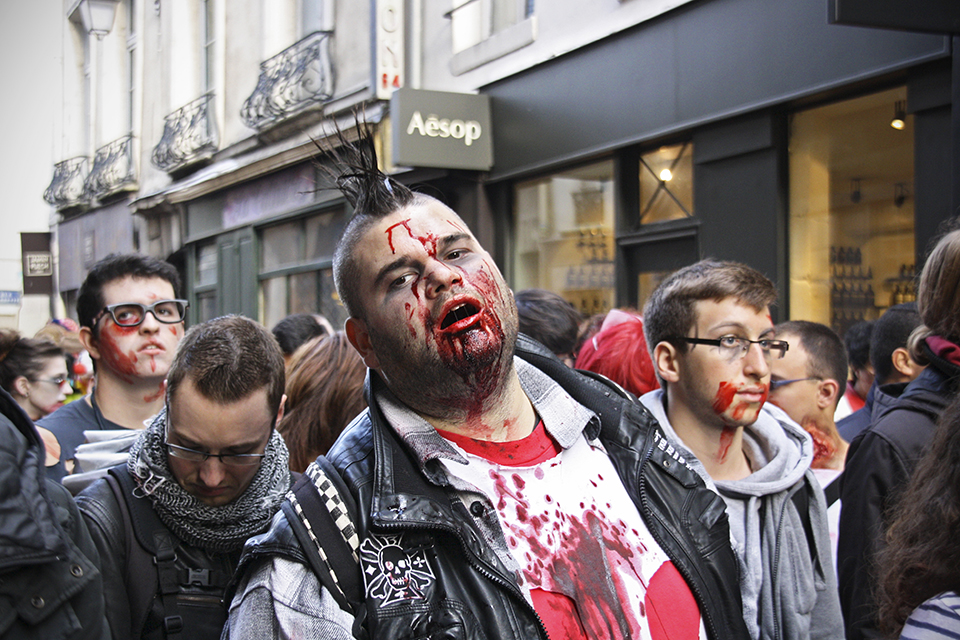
{"x": 585, "y": 557}
{"x": 726, "y": 439}
{"x": 726, "y": 394}
{"x": 123, "y": 364}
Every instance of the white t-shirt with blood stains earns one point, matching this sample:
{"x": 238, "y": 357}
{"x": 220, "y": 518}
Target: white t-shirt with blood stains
{"x": 573, "y": 530}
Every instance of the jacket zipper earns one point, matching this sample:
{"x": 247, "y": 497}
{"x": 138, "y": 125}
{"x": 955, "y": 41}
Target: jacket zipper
{"x": 476, "y": 563}
{"x": 695, "y": 588}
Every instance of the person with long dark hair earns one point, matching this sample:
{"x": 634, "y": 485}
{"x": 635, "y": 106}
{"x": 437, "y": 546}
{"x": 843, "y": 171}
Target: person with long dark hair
{"x": 324, "y": 393}
{"x": 883, "y": 457}
{"x": 919, "y": 569}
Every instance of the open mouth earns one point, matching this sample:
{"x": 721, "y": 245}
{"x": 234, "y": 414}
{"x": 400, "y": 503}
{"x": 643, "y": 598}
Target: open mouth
{"x": 459, "y": 313}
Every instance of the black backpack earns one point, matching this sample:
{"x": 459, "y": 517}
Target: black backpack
{"x": 152, "y": 574}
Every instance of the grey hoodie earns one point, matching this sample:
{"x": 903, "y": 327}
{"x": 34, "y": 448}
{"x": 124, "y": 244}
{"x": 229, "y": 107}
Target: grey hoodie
{"x": 785, "y": 595}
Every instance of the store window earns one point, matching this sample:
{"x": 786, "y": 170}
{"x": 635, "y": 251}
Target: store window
{"x": 564, "y": 236}
{"x": 295, "y": 268}
{"x": 851, "y": 221}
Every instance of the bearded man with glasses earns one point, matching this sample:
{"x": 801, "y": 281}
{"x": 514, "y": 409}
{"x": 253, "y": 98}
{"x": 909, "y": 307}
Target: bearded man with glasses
{"x": 209, "y": 471}
{"x": 713, "y": 343}
{"x": 131, "y": 320}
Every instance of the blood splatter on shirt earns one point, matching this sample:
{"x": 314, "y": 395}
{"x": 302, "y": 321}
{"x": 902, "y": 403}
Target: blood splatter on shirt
{"x": 591, "y": 566}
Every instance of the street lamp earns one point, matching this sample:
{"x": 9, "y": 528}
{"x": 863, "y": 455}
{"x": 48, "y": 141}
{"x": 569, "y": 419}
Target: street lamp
{"x": 96, "y": 16}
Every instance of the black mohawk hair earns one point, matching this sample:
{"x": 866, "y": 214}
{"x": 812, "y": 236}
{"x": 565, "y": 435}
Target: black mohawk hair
{"x": 353, "y": 167}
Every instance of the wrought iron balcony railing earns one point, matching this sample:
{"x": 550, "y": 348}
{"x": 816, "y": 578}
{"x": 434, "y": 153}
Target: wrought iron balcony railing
{"x": 66, "y": 189}
{"x": 189, "y": 135}
{"x": 113, "y": 168}
{"x": 293, "y": 80}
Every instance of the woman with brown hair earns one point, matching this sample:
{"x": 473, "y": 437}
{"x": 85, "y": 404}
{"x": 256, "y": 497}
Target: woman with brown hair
{"x": 919, "y": 582}
{"x": 324, "y": 393}
{"x": 34, "y": 373}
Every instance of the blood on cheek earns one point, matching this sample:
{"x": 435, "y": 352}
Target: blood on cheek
{"x": 124, "y": 364}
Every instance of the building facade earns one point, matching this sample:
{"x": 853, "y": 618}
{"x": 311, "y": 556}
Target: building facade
{"x": 624, "y": 138}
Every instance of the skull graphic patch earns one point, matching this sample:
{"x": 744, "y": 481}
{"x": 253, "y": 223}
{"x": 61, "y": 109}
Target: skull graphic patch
{"x": 394, "y": 574}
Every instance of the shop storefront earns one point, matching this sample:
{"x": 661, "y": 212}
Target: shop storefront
{"x": 694, "y": 137}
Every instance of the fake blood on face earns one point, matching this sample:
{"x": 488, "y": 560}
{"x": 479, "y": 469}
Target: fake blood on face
{"x": 123, "y": 364}
{"x": 727, "y": 394}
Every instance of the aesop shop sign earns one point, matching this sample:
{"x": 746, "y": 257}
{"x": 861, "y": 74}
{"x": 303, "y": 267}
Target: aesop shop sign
{"x": 442, "y": 130}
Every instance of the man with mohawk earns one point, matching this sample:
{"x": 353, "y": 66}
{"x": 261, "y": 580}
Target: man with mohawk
{"x": 488, "y": 491}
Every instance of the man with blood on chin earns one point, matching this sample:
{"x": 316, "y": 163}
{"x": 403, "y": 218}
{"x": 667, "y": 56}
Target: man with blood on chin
{"x": 713, "y": 341}
{"x": 498, "y": 493}
{"x": 131, "y": 321}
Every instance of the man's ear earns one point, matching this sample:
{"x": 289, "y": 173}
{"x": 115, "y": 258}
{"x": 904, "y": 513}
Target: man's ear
{"x": 89, "y": 342}
{"x": 904, "y": 364}
{"x": 359, "y": 337}
{"x": 666, "y": 359}
{"x": 827, "y": 392}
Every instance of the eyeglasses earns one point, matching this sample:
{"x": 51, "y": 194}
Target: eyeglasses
{"x": 734, "y": 346}
{"x": 230, "y": 459}
{"x": 776, "y": 384}
{"x": 59, "y": 380}
{"x": 132, "y": 314}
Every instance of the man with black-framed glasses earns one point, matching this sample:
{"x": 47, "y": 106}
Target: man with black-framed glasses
{"x": 713, "y": 345}
{"x": 206, "y": 473}
{"x": 131, "y": 320}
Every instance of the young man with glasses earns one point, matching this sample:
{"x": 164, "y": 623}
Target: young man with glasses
{"x": 131, "y": 320}
{"x": 713, "y": 343}
{"x": 209, "y": 471}
{"x": 808, "y": 383}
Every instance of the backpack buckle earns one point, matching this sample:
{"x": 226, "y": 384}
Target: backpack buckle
{"x": 173, "y": 624}
{"x": 199, "y": 577}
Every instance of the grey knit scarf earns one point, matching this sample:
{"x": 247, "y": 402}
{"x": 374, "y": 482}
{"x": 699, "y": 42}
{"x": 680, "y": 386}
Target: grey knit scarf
{"x": 224, "y": 528}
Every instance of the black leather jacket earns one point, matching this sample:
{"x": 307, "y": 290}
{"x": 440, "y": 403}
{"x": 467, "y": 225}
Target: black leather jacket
{"x": 476, "y": 597}
{"x": 50, "y": 581}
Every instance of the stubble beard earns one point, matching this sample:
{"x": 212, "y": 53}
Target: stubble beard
{"x": 451, "y": 377}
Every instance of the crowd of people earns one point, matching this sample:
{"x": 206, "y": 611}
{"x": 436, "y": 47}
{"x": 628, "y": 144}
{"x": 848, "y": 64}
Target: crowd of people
{"x": 462, "y": 461}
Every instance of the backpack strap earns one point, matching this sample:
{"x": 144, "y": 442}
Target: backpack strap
{"x": 801, "y": 500}
{"x": 318, "y": 508}
{"x": 832, "y": 491}
{"x": 158, "y": 542}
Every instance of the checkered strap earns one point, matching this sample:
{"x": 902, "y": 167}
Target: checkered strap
{"x": 320, "y": 517}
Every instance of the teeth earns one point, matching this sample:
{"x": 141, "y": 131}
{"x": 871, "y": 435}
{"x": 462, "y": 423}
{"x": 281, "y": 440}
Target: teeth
{"x": 457, "y": 314}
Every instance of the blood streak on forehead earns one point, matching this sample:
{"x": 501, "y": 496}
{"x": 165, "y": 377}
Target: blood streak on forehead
{"x": 429, "y": 241}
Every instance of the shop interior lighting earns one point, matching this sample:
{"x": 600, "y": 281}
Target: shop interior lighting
{"x": 899, "y": 114}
